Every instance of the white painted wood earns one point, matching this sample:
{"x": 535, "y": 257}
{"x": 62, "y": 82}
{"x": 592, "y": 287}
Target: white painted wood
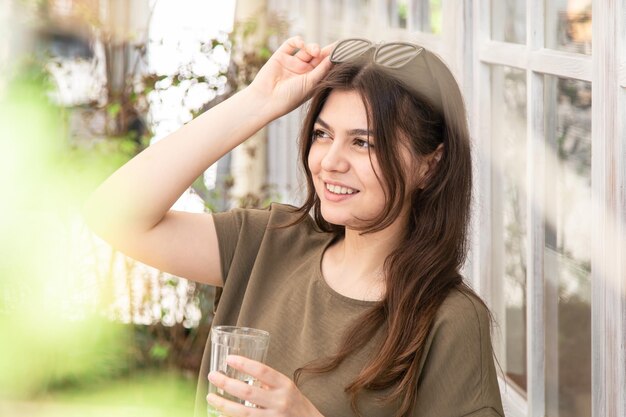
{"x": 480, "y": 134}
{"x": 464, "y": 53}
{"x": 550, "y": 272}
{"x": 465, "y": 56}
{"x": 497, "y": 256}
{"x": 513, "y": 402}
{"x": 561, "y": 64}
{"x": 558, "y": 63}
{"x": 535, "y": 314}
{"x": 496, "y": 22}
{"x": 607, "y": 169}
{"x": 416, "y": 15}
{"x": 502, "y": 53}
{"x": 620, "y": 215}
{"x": 452, "y": 31}
{"x": 465, "y": 44}
{"x": 550, "y": 29}
{"x": 311, "y": 21}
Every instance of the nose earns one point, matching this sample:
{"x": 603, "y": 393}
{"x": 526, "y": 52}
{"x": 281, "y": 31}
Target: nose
{"x": 334, "y": 159}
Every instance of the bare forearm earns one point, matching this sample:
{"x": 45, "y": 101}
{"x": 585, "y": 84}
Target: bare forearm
{"x": 139, "y": 194}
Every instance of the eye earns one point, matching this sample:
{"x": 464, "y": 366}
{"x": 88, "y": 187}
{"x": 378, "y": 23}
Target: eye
{"x": 362, "y": 143}
{"x": 319, "y": 134}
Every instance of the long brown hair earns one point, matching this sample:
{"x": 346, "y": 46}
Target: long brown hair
{"x": 425, "y": 265}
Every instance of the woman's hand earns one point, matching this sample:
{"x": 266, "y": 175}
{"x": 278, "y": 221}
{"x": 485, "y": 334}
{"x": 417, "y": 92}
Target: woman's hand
{"x": 288, "y": 76}
{"x": 278, "y": 396}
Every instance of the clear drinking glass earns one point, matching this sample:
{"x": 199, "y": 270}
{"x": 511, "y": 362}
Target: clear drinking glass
{"x": 233, "y": 340}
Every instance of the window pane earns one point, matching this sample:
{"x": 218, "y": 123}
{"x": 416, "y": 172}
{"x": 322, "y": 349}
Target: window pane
{"x": 568, "y": 25}
{"x": 361, "y": 10}
{"x": 333, "y": 11}
{"x": 509, "y": 216}
{"x": 567, "y": 263}
{"x": 435, "y": 16}
{"x": 397, "y": 11}
{"x": 336, "y": 7}
{"x": 426, "y": 16}
{"x": 508, "y": 20}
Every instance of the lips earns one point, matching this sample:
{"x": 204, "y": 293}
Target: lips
{"x": 337, "y": 192}
{"x": 339, "y": 189}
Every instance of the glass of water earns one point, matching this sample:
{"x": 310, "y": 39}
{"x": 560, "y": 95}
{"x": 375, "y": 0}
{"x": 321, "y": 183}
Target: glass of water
{"x": 241, "y": 341}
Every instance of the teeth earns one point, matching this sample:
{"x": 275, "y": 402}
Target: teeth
{"x": 336, "y": 189}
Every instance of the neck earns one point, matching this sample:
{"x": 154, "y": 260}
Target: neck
{"x": 364, "y": 254}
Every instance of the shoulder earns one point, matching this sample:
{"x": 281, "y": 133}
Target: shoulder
{"x": 284, "y": 214}
{"x": 273, "y": 215}
{"x": 464, "y": 321}
{"x": 463, "y": 309}
{"x": 457, "y": 375}
{"x": 279, "y": 224}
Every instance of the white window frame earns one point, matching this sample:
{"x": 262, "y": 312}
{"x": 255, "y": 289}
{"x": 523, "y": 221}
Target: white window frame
{"x": 465, "y": 43}
{"x": 608, "y": 307}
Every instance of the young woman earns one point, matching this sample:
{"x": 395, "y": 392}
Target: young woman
{"x": 360, "y": 287}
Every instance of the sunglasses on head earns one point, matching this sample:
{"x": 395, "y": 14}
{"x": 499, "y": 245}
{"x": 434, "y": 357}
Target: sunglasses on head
{"x": 408, "y": 62}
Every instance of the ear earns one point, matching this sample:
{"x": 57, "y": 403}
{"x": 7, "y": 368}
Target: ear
{"x": 428, "y": 165}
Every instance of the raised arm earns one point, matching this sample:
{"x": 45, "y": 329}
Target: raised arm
{"x": 131, "y": 209}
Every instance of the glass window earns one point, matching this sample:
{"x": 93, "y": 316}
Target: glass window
{"x": 434, "y": 15}
{"x": 333, "y": 11}
{"x": 508, "y": 21}
{"x": 509, "y": 217}
{"x": 362, "y": 12}
{"x": 426, "y": 16}
{"x": 567, "y": 264}
{"x": 397, "y": 11}
{"x": 568, "y": 25}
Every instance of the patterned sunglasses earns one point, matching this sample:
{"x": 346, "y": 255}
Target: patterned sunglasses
{"x": 409, "y": 63}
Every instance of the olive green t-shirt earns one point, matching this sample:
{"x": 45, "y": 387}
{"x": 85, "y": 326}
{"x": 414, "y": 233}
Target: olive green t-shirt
{"x": 273, "y": 281}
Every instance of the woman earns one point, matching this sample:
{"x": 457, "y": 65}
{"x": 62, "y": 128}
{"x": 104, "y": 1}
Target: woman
{"x": 366, "y": 308}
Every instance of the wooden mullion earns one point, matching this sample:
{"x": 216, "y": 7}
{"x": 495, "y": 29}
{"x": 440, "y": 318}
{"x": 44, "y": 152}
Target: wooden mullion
{"x": 504, "y": 53}
{"x": 620, "y": 210}
{"x": 561, "y": 64}
{"x": 412, "y": 16}
{"x": 535, "y": 226}
{"x": 558, "y": 63}
{"x": 481, "y": 133}
{"x": 608, "y": 304}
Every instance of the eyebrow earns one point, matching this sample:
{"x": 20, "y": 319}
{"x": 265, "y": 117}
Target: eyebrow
{"x": 352, "y": 132}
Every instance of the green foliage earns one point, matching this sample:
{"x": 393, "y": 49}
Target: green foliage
{"x": 113, "y": 109}
{"x": 151, "y": 393}
{"x": 265, "y": 53}
{"x": 159, "y": 352}
{"x": 54, "y": 350}
{"x": 45, "y": 346}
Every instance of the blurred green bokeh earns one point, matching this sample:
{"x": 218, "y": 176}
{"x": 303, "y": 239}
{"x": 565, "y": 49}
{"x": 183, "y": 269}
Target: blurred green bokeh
{"x": 58, "y": 354}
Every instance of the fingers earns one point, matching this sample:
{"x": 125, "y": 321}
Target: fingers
{"x": 304, "y": 53}
{"x": 266, "y": 375}
{"x": 240, "y": 389}
{"x": 319, "y": 72}
{"x": 295, "y": 46}
{"x": 291, "y": 44}
{"x": 294, "y": 64}
{"x": 229, "y": 408}
{"x": 278, "y": 397}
